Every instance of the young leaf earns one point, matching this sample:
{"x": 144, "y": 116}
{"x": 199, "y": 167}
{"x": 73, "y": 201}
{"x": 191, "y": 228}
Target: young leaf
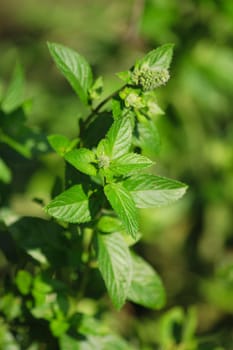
{"x": 71, "y": 206}
{"x": 125, "y": 76}
{"x": 14, "y": 95}
{"x": 74, "y": 67}
{"x": 146, "y": 288}
{"x": 150, "y": 190}
{"x": 97, "y": 89}
{"x": 109, "y": 224}
{"x": 124, "y": 206}
{"x": 129, "y": 163}
{"x": 61, "y": 144}
{"x": 158, "y": 58}
{"x": 119, "y": 137}
{"x": 115, "y": 265}
{"x": 81, "y": 159}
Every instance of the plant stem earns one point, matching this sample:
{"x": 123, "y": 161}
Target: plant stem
{"x": 86, "y": 270}
{"x": 101, "y": 104}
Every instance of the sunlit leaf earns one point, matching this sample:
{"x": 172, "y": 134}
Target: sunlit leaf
{"x": 61, "y": 144}
{"x": 149, "y": 190}
{"x": 71, "y": 206}
{"x": 23, "y": 281}
{"x": 119, "y": 137}
{"x": 123, "y": 204}
{"x": 98, "y": 342}
{"x": 109, "y": 224}
{"x": 82, "y": 160}
{"x": 129, "y": 163}
{"x": 114, "y": 262}
{"x": 159, "y": 58}
{"x": 74, "y": 67}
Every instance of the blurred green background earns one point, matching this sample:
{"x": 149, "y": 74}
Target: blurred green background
{"x": 191, "y": 242}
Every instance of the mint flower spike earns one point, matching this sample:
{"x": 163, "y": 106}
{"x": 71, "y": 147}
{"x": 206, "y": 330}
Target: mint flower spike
{"x": 152, "y": 71}
{"x": 150, "y": 78}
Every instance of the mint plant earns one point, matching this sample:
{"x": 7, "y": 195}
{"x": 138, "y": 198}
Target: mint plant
{"x": 93, "y": 223}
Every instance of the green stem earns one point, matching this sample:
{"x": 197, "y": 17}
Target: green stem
{"x": 86, "y": 270}
{"x": 98, "y": 108}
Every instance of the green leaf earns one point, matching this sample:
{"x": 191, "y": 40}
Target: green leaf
{"x": 109, "y": 224}
{"x": 107, "y": 342}
{"x": 15, "y": 94}
{"x": 96, "y": 90}
{"x": 124, "y": 206}
{"x": 67, "y": 342}
{"x": 71, "y": 206}
{"x": 98, "y": 342}
{"x": 17, "y": 146}
{"x": 23, "y": 281}
{"x": 74, "y": 67}
{"x": 115, "y": 265}
{"x": 158, "y": 58}
{"x": 59, "y": 325}
{"x": 124, "y": 75}
{"x": 116, "y": 109}
{"x": 146, "y": 287}
{"x": 61, "y": 144}
{"x": 150, "y": 190}
{"x": 17, "y": 135}
{"x": 149, "y": 139}
{"x": 81, "y": 159}
{"x": 7, "y": 339}
{"x": 11, "y": 306}
{"x": 119, "y": 137}
{"x": 129, "y": 163}
{"x": 5, "y": 172}
{"x": 43, "y": 240}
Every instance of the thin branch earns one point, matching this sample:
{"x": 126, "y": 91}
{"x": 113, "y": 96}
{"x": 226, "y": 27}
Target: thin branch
{"x": 98, "y": 108}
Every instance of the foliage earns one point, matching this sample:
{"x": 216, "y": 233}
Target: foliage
{"x": 95, "y": 217}
{"x": 190, "y": 242}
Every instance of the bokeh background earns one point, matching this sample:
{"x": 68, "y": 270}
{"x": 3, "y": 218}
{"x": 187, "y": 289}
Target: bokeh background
{"x": 190, "y": 243}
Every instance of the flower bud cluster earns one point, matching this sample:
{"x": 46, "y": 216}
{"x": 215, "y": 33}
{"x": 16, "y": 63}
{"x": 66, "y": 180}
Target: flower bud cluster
{"x": 150, "y": 78}
{"x": 103, "y": 161}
